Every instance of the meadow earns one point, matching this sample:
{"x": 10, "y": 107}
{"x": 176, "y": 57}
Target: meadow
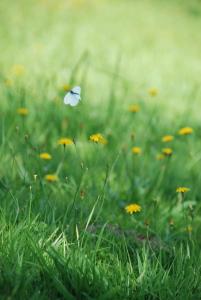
{"x": 101, "y": 200}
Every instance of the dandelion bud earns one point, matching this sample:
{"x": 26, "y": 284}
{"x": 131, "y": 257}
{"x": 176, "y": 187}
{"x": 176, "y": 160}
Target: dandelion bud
{"x": 26, "y": 137}
{"x": 82, "y": 194}
{"x": 171, "y": 222}
{"x": 132, "y": 136}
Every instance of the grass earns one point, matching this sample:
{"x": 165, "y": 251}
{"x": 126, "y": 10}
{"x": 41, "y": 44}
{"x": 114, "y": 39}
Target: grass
{"x": 72, "y": 238}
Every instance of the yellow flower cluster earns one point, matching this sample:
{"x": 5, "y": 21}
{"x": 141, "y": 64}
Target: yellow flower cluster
{"x": 167, "y": 138}
{"x": 134, "y": 108}
{"x": 153, "y": 91}
{"x": 185, "y": 131}
{"x": 8, "y": 82}
{"x": 65, "y": 141}
{"x": 136, "y": 150}
{"x": 182, "y": 190}
{"x": 98, "y": 138}
{"x": 51, "y": 177}
{"x": 22, "y": 111}
{"x": 133, "y": 208}
{"x": 17, "y": 70}
{"x": 45, "y": 156}
{"x": 66, "y": 87}
{"x": 167, "y": 151}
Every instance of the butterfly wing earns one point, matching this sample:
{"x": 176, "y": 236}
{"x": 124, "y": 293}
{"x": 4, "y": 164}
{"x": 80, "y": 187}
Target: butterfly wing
{"x": 76, "y": 89}
{"x": 71, "y": 99}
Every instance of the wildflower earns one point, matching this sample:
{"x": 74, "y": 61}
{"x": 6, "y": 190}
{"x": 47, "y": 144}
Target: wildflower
{"x": 185, "y": 131}
{"x": 22, "y": 111}
{"x": 8, "y": 82}
{"x": 182, "y": 189}
{"x": 160, "y": 156}
{"x": 136, "y": 150}
{"x": 66, "y": 87}
{"x": 65, "y": 141}
{"x": 18, "y": 70}
{"x": 167, "y": 151}
{"x": 153, "y": 91}
{"x": 167, "y": 138}
{"x": 45, "y": 156}
{"x": 51, "y": 177}
{"x": 133, "y": 208}
{"x": 134, "y": 108}
{"x": 98, "y": 138}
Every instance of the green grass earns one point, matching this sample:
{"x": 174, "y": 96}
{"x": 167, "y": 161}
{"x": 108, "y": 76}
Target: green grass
{"x": 72, "y": 239}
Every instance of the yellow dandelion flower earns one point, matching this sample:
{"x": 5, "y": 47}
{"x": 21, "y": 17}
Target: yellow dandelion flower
{"x": 185, "y": 131}
{"x": 51, "y": 177}
{"x": 160, "y": 156}
{"x": 167, "y": 151}
{"x": 136, "y": 150}
{"x": 45, "y": 156}
{"x": 66, "y": 87}
{"x": 167, "y": 138}
{"x": 134, "y": 108}
{"x": 98, "y": 138}
{"x": 65, "y": 141}
{"x": 153, "y": 91}
{"x": 8, "y": 82}
{"x": 18, "y": 70}
{"x": 22, "y": 111}
{"x": 133, "y": 208}
{"x": 182, "y": 189}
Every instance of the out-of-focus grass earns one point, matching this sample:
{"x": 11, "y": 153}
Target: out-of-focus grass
{"x": 72, "y": 238}
{"x": 156, "y": 43}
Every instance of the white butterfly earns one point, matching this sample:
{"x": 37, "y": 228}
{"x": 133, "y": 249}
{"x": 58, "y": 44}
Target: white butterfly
{"x": 73, "y": 97}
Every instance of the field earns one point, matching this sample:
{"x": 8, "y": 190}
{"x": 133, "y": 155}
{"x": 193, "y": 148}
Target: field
{"x": 102, "y": 200}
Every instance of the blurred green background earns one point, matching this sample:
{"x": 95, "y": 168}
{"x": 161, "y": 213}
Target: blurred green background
{"x": 155, "y": 42}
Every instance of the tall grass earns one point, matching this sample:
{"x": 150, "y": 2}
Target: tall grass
{"x": 72, "y": 238}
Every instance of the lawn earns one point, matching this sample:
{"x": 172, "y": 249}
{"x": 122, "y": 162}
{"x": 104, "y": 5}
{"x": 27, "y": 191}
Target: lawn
{"x": 102, "y": 200}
